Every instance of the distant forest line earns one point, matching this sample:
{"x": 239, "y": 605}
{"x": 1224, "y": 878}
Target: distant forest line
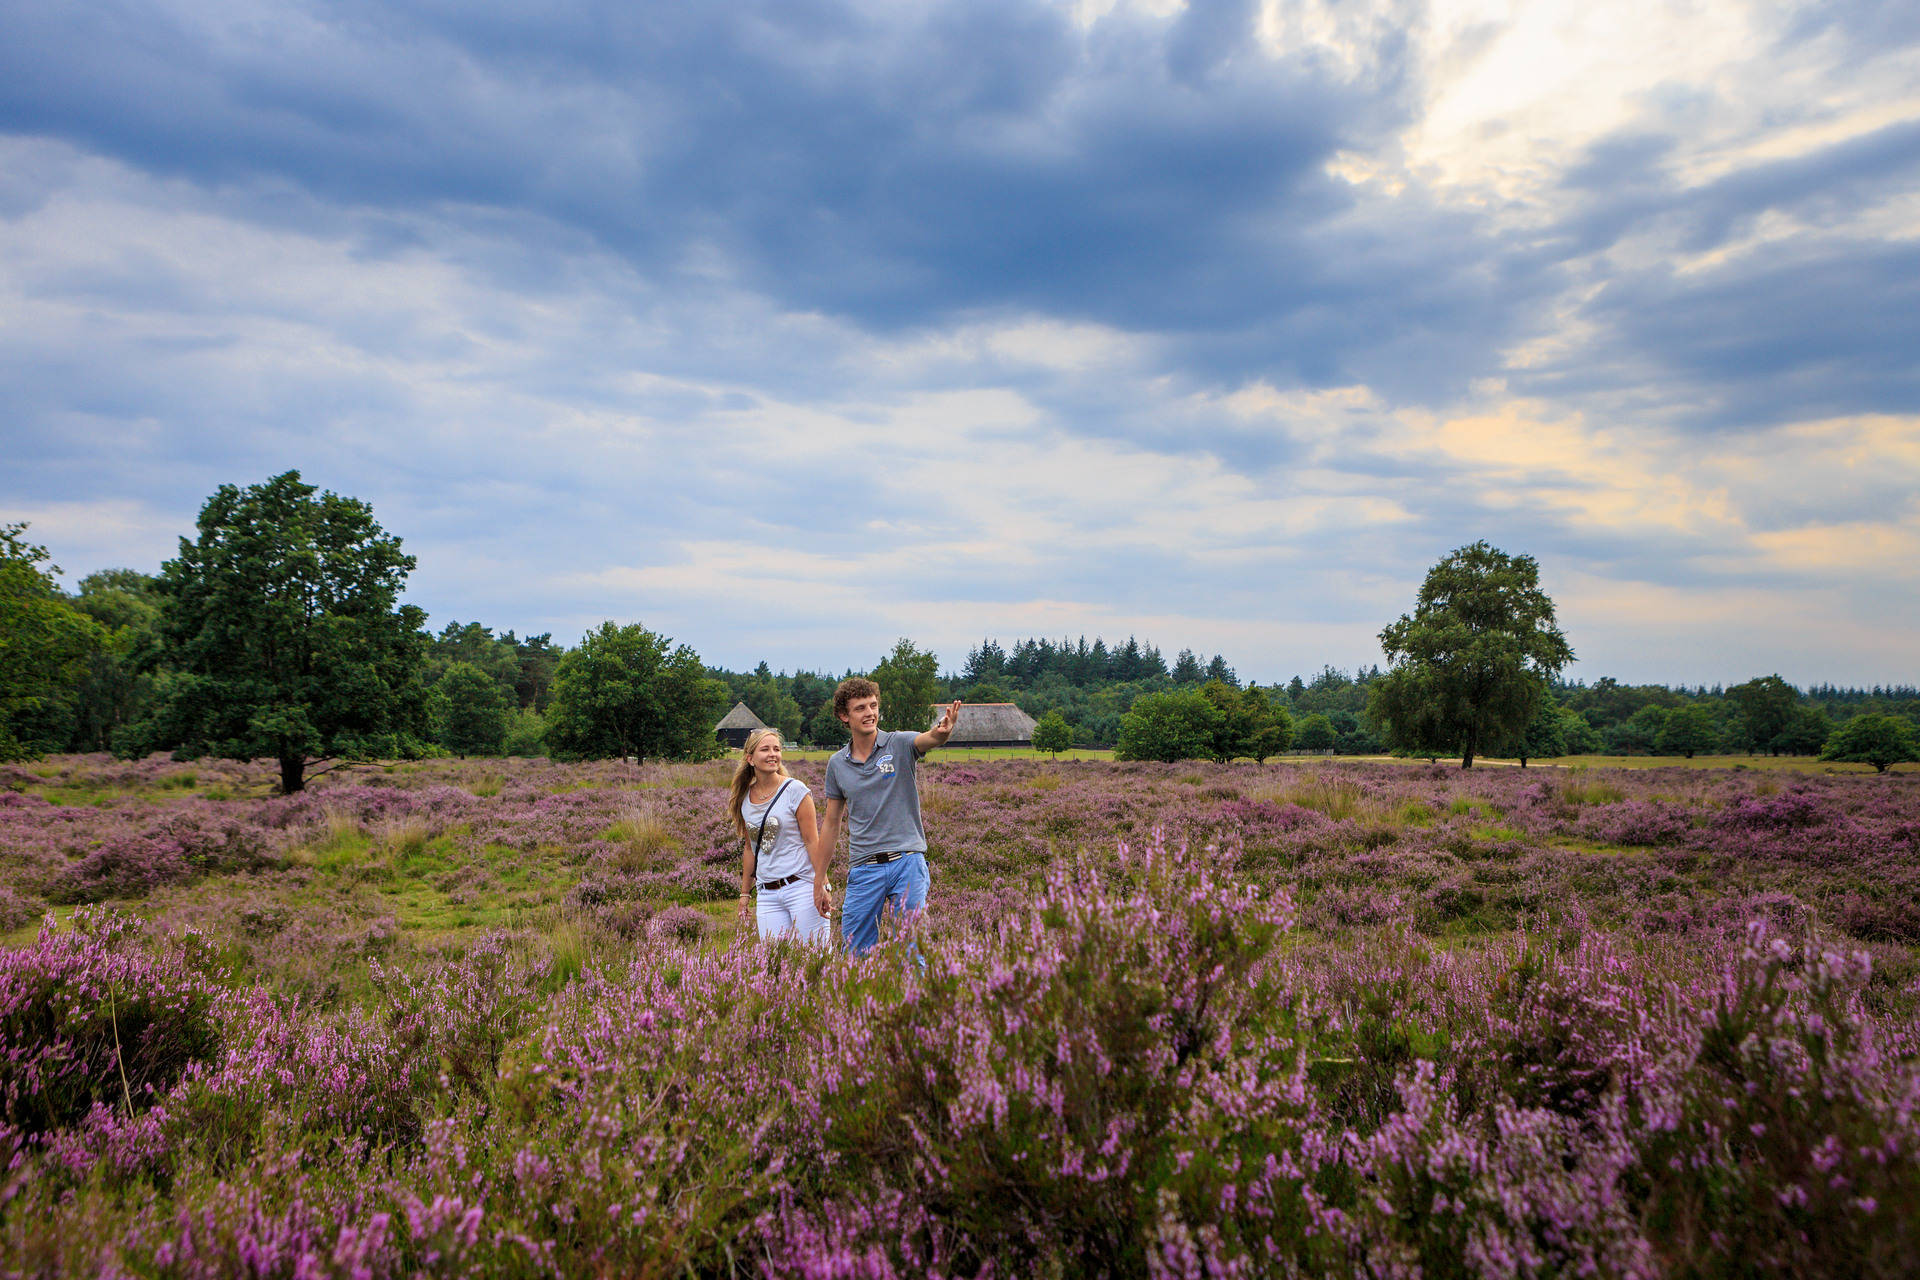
{"x": 1090, "y": 684}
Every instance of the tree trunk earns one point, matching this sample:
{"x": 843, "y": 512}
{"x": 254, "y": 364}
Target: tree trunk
{"x": 293, "y": 774}
{"x": 1466, "y": 760}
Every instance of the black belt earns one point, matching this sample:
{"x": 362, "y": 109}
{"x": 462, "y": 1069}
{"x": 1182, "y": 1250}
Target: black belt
{"x": 889, "y": 857}
{"x": 781, "y": 884}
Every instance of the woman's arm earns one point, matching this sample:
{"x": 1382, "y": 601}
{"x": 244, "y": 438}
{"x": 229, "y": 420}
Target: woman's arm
{"x": 746, "y": 874}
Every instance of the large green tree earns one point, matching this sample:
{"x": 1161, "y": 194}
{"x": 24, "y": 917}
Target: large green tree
{"x": 1267, "y": 728}
{"x": 1181, "y": 725}
{"x": 1316, "y": 733}
{"x": 909, "y": 684}
{"x": 1472, "y": 663}
{"x": 1580, "y": 736}
{"x": 1766, "y": 705}
{"x": 469, "y": 711}
{"x": 1875, "y": 739}
{"x": 45, "y": 644}
{"x": 114, "y": 691}
{"x": 1805, "y": 733}
{"x": 283, "y": 631}
{"x": 1249, "y": 726}
{"x": 1687, "y": 730}
{"x": 629, "y": 692}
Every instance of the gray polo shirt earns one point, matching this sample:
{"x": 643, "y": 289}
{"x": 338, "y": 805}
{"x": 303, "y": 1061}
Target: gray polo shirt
{"x": 883, "y": 804}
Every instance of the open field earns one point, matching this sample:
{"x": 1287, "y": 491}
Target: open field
{"x": 984, "y": 753}
{"x": 1737, "y": 763}
{"x": 1319, "y": 1017}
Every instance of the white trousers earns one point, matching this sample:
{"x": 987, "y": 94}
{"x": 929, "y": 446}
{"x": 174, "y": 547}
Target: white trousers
{"x": 788, "y": 912}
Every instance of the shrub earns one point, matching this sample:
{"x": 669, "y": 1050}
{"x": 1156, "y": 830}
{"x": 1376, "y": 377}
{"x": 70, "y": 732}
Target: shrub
{"x": 1783, "y": 1152}
{"x": 127, "y": 867}
{"x": 1876, "y": 739}
{"x": 681, "y": 924}
{"x": 89, "y": 1018}
{"x": 1169, "y": 726}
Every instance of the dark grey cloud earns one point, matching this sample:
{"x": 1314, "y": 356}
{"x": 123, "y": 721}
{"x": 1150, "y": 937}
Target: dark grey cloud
{"x": 897, "y": 166}
{"x": 1786, "y": 332}
{"x": 1821, "y": 322}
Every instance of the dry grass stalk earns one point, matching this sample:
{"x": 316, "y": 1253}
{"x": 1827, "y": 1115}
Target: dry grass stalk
{"x": 406, "y": 837}
{"x": 645, "y": 841}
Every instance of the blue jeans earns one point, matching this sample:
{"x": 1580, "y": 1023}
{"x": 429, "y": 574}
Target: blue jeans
{"x": 871, "y": 887}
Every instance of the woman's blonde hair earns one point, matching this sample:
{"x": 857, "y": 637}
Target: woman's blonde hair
{"x": 743, "y": 778}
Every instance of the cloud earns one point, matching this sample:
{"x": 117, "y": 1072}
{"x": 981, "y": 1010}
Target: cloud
{"x": 786, "y": 327}
{"x": 896, "y": 166}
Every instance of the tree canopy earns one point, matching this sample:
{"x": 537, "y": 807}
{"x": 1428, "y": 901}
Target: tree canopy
{"x": 1471, "y": 664}
{"x": 1052, "y": 734}
{"x": 908, "y": 679}
{"x": 45, "y": 644}
{"x": 284, "y": 636}
{"x": 1179, "y": 725}
{"x": 1766, "y": 705}
{"x": 1316, "y": 733}
{"x": 1876, "y": 739}
{"x": 1687, "y": 730}
{"x": 1249, "y": 725}
{"x": 468, "y": 710}
{"x": 628, "y": 692}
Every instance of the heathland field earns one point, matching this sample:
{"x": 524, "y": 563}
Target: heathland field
{"x": 1303, "y": 1018}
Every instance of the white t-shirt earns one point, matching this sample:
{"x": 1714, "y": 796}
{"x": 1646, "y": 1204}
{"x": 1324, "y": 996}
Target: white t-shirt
{"x": 782, "y": 853}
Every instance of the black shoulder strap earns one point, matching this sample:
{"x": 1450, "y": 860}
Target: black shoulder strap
{"x": 761, "y": 834}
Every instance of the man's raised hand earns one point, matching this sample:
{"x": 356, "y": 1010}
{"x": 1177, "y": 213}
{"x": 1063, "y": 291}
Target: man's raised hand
{"x": 938, "y": 735}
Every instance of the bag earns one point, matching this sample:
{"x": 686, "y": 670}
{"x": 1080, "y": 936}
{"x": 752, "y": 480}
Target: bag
{"x": 761, "y": 834}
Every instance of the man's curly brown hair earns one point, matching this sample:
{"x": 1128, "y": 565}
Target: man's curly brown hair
{"x": 852, "y": 690}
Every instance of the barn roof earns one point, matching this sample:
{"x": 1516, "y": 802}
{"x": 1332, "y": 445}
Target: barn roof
{"x": 740, "y": 718}
{"x": 987, "y": 722}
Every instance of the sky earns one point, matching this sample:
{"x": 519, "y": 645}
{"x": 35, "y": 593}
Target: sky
{"x": 791, "y": 328}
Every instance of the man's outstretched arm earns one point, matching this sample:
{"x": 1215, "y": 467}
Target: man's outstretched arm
{"x": 938, "y": 735}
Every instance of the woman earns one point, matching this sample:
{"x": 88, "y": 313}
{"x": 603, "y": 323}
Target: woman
{"x": 774, "y": 810}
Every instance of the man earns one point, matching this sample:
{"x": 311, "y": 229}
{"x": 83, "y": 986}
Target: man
{"x": 870, "y": 781}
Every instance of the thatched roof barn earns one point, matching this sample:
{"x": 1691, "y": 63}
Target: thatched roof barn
{"x": 736, "y": 725}
{"x": 988, "y": 724}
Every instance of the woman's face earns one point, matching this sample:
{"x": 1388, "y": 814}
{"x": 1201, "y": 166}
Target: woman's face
{"x": 766, "y": 754}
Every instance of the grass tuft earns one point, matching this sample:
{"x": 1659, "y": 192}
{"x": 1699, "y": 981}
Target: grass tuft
{"x": 406, "y": 837}
{"x": 339, "y": 830}
{"x": 1337, "y": 799}
{"x": 1591, "y": 793}
{"x": 645, "y": 840}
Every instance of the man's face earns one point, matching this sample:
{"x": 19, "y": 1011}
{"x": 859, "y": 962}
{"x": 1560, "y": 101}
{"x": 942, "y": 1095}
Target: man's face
{"x": 863, "y": 715}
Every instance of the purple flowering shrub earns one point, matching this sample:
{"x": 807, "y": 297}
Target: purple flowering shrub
{"x": 1790, "y": 1143}
{"x": 1046, "y": 1087}
{"x": 1359, "y": 1020}
{"x": 89, "y": 1018}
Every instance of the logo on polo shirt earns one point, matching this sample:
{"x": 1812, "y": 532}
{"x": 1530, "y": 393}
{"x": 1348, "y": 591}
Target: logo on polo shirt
{"x": 886, "y": 763}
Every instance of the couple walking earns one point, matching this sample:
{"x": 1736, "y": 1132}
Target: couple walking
{"x": 787, "y": 849}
